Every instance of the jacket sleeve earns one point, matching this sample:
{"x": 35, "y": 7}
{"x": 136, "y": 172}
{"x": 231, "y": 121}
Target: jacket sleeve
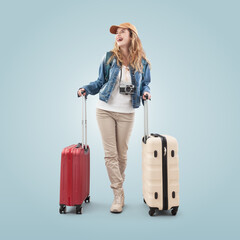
{"x": 94, "y": 87}
{"x": 145, "y": 81}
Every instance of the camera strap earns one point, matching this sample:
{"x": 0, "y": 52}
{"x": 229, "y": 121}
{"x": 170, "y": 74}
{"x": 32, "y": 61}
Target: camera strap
{"x": 120, "y": 74}
{"x": 132, "y": 77}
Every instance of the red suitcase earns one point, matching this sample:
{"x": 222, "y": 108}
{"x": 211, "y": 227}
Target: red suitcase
{"x": 75, "y": 173}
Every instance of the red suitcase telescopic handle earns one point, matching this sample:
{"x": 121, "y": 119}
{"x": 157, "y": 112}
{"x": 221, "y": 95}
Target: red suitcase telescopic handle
{"x": 84, "y": 121}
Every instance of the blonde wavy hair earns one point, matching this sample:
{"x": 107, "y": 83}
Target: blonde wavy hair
{"x": 136, "y": 53}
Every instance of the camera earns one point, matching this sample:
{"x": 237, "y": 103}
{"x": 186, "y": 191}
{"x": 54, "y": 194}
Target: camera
{"x": 126, "y": 88}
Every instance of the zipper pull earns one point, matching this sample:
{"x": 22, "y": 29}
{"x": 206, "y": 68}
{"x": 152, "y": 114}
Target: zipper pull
{"x": 165, "y": 151}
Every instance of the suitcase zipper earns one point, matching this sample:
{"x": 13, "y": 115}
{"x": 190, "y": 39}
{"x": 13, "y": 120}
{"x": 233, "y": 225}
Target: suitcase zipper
{"x": 164, "y": 170}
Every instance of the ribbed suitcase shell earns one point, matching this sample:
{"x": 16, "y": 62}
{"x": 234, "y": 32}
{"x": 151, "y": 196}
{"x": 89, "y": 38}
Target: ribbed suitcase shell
{"x": 75, "y": 175}
{"x": 152, "y": 172}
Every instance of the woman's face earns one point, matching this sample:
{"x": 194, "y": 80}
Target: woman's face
{"x": 123, "y": 37}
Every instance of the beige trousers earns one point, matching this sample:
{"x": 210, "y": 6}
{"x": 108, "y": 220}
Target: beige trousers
{"x": 115, "y": 129}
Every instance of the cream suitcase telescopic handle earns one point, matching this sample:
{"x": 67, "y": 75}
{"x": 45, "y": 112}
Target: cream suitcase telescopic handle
{"x": 146, "y": 119}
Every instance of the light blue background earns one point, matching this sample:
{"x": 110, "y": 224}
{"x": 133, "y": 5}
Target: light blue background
{"x": 48, "y": 49}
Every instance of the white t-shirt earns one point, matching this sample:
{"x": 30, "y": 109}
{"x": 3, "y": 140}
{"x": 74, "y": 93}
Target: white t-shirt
{"x": 119, "y": 102}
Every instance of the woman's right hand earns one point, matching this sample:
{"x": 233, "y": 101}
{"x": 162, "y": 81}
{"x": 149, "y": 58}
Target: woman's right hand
{"x": 80, "y": 92}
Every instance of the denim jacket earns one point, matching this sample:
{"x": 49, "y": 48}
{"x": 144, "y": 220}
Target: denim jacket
{"x": 105, "y": 88}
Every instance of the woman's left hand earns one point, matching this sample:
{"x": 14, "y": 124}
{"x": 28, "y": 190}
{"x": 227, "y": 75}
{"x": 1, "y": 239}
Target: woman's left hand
{"x": 146, "y": 93}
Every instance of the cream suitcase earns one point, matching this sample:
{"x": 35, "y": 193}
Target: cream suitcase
{"x": 160, "y": 172}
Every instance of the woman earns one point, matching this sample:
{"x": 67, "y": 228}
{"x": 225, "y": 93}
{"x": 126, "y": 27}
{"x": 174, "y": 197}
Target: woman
{"x": 120, "y": 92}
